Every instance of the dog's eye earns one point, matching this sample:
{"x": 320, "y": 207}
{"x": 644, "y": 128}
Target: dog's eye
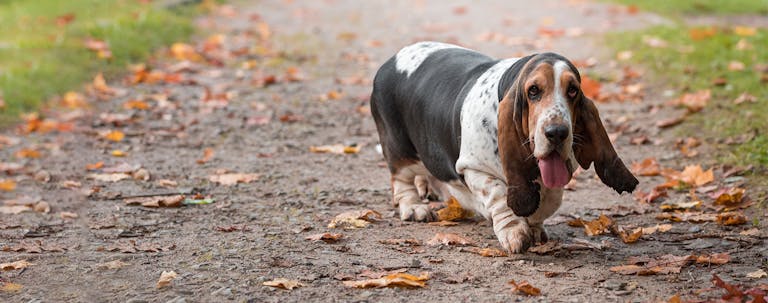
{"x": 533, "y": 92}
{"x": 572, "y": 91}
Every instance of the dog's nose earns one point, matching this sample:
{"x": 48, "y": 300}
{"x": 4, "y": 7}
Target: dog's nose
{"x": 556, "y": 133}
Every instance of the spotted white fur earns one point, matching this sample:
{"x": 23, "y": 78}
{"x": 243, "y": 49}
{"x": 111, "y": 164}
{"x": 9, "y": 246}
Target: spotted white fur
{"x": 410, "y": 57}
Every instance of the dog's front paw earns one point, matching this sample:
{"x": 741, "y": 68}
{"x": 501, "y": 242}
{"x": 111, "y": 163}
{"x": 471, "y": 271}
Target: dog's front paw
{"x": 516, "y": 236}
{"x": 539, "y": 234}
{"x": 417, "y": 212}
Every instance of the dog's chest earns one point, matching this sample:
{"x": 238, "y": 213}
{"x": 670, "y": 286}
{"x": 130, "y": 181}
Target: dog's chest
{"x": 479, "y": 148}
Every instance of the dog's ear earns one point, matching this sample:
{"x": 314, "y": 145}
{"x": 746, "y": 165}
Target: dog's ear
{"x": 591, "y": 144}
{"x": 516, "y": 156}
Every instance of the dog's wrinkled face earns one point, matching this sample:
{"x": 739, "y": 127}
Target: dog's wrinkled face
{"x": 551, "y": 89}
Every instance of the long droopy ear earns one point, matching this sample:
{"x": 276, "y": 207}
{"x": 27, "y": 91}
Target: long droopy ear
{"x": 516, "y": 156}
{"x": 591, "y": 144}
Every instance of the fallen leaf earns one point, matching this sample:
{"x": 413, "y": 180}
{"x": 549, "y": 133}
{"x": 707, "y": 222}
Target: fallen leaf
{"x": 449, "y": 239}
{"x": 109, "y": 177}
{"x": 7, "y": 185}
{"x": 101, "y": 85}
{"x": 14, "y": 209}
{"x": 94, "y": 166}
{"x": 28, "y": 153}
{"x": 731, "y": 197}
{"x": 453, "y": 211}
{"x": 525, "y": 288}
{"x": 159, "y": 201}
{"x": 354, "y": 219}
{"x": 114, "y": 136}
{"x": 644, "y": 266}
{"x": 378, "y": 274}
{"x": 658, "y": 228}
{"x": 699, "y": 33}
{"x": 10, "y": 287}
{"x": 680, "y": 205}
{"x": 207, "y": 156}
{"x": 648, "y": 167}
{"x": 136, "y": 104}
{"x": 283, "y": 283}
{"x": 693, "y": 102}
{"x": 325, "y": 237}
{"x": 695, "y": 217}
{"x": 70, "y": 184}
{"x": 117, "y": 153}
{"x": 665, "y": 123}
{"x": 167, "y": 183}
{"x": 116, "y": 264}
{"x": 744, "y": 31}
{"x": 650, "y": 197}
{"x": 486, "y": 252}
{"x": 335, "y": 149}
{"x": 166, "y": 277}
{"x": 590, "y": 87}
{"x": 758, "y": 274}
{"x": 293, "y": 74}
{"x": 692, "y": 175}
{"x": 393, "y": 280}
{"x": 719, "y": 259}
{"x": 42, "y": 207}
{"x": 233, "y": 178}
{"x": 630, "y": 236}
{"x": 21, "y": 264}
{"x": 745, "y": 97}
{"x": 731, "y": 218}
{"x": 595, "y": 227}
{"x": 732, "y": 291}
{"x": 183, "y": 51}
{"x": 546, "y": 248}
{"x": 68, "y": 215}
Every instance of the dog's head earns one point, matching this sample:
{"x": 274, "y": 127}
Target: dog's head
{"x": 546, "y": 127}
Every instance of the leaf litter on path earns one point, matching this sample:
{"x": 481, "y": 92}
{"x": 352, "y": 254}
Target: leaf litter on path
{"x": 453, "y": 211}
{"x": 354, "y": 219}
{"x": 525, "y": 288}
{"x": 21, "y": 264}
{"x": 666, "y": 264}
{"x": 393, "y": 280}
{"x": 283, "y": 283}
{"x": 166, "y": 277}
{"x": 450, "y": 239}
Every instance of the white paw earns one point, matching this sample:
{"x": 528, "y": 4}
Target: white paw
{"x": 516, "y": 237}
{"x": 416, "y": 212}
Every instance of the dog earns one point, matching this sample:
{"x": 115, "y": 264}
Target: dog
{"x": 501, "y": 136}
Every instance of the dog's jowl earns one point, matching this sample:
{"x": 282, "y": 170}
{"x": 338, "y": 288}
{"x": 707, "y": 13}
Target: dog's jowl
{"x": 501, "y": 136}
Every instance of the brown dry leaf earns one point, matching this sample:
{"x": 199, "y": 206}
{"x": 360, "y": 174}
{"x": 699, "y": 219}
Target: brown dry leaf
{"x": 42, "y": 207}
{"x": 525, "y": 288}
{"x": 325, "y": 237}
{"x": 693, "y": 102}
{"x": 136, "y": 104}
{"x": 21, "y": 264}
{"x": 449, "y": 239}
{"x": 546, "y": 248}
{"x": 662, "y": 228}
{"x": 114, "y": 136}
{"x": 644, "y": 266}
{"x": 671, "y": 121}
{"x": 167, "y": 183}
{"x": 354, "y": 219}
{"x": 680, "y": 205}
{"x": 101, "y": 85}
{"x": 183, "y": 51}
{"x": 695, "y": 217}
{"x": 7, "y": 185}
{"x": 719, "y": 259}
{"x": 166, "y": 277}
{"x": 378, "y": 274}
{"x": 443, "y": 223}
{"x": 692, "y": 175}
{"x": 731, "y": 197}
{"x": 68, "y": 215}
{"x": 745, "y": 97}
{"x": 598, "y": 226}
{"x": 159, "y": 201}
{"x": 116, "y": 264}
{"x": 731, "y": 218}
{"x": 453, "y": 211}
{"x": 10, "y": 287}
{"x": 393, "y": 280}
{"x": 630, "y": 237}
{"x": 109, "y": 177}
{"x": 207, "y": 156}
{"x": 335, "y": 149}
{"x": 590, "y": 87}
{"x": 486, "y": 252}
{"x": 283, "y": 283}
{"x": 233, "y": 178}
{"x": 648, "y": 167}
{"x": 650, "y": 197}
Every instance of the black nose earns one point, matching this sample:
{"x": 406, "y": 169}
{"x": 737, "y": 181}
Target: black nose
{"x": 556, "y": 133}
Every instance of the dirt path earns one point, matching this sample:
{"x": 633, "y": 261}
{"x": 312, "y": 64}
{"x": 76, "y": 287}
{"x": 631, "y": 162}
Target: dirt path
{"x": 255, "y": 232}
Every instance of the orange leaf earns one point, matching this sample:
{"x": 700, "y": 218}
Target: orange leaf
{"x": 731, "y": 218}
{"x": 183, "y": 51}
{"x": 648, "y": 167}
{"x": 525, "y": 288}
{"x": 117, "y": 153}
{"x": 136, "y": 104}
{"x": 101, "y": 85}
{"x": 598, "y": 226}
{"x": 27, "y": 153}
{"x": 487, "y": 252}
{"x": 207, "y": 156}
{"x": 73, "y": 100}
{"x": 7, "y": 185}
{"x": 115, "y": 136}
{"x": 591, "y": 88}
{"x": 94, "y": 166}
{"x": 694, "y": 102}
{"x": 702, "y": 33}
{"x": 744, "y": 31}
{"x": 453, "y": 211}
{"x": 325, "y": 237}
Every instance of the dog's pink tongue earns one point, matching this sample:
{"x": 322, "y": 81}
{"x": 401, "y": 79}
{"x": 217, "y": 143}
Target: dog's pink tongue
{"x": 554, "y": 173}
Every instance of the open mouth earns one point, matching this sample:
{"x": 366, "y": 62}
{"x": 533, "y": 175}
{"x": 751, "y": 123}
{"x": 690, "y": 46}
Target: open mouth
{"x": 554, "y": 171}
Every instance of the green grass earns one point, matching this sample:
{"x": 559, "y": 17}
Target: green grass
{"x": 40, "y": 59}
{"x": 673, "y": 7}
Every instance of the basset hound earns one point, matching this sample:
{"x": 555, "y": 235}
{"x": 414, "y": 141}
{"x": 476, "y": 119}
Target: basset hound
{"x": 501, "y": 136}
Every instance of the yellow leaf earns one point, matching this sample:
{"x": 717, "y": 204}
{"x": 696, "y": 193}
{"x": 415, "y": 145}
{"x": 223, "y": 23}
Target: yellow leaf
{"x": 117, "y": 153}
{"x": 744, "y": 31}
{"x": 183, "y": 51}
{"x": 115, "y": 136}
{"x": 73, "y": 100}
{"x": 101, "y": 85}
{"x": 453, "y": 211}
